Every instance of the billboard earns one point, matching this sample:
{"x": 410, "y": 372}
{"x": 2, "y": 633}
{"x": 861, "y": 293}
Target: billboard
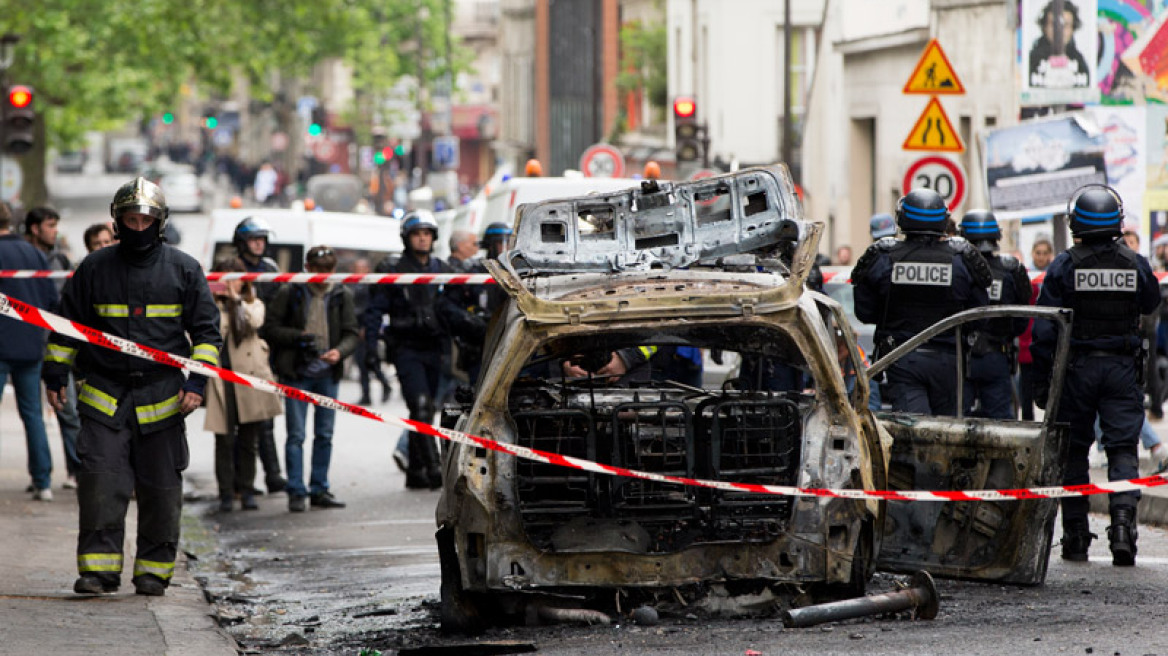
{"x": 1059, "y": 48}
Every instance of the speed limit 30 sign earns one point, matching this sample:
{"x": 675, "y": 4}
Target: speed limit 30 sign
{"x": 602, "y": 161}
{"x": 941, "y": 174}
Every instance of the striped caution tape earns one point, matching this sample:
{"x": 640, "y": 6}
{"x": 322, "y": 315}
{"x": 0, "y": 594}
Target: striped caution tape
{"x": 15, "y": 309}
{"x": 346, "y": 278}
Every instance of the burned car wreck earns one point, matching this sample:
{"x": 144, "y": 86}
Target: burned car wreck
{"x": 604, "y": 292}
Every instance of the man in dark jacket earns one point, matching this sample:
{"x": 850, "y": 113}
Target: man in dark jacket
{"x": 416, "y": 339}
{"x": 22, "y": 349}
{"x": 312, "y": 328}
{"x": 133, "y": 439}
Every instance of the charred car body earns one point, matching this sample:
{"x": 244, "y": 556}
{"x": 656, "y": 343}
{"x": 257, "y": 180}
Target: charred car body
{"x": 716, "y": 265}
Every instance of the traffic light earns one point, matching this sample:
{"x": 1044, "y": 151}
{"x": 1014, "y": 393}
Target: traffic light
{"x": 167, "y": 118}
{"x": 690, "y": 137}
{"x": 210, "y": 121}
{"x": 316, "y": 127}
{"x": 19, "y": 117}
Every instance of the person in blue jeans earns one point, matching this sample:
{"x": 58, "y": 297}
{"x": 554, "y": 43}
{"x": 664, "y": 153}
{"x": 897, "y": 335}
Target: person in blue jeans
{"x": 312, "y": 329}
{"x": 22, "y": 349}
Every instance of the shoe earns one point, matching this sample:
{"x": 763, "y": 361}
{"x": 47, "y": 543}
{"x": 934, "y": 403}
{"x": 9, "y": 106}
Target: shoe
{"x": 248, "y": 502}
{"x": 1122, "y": 534}
{"x": 93, "y": 584}
{"x": 402, "y": 460}
{"x": 365, "y": 400}
{"x": 225, "y": 504}
{"x": 43, "y": 495}
{"x": 30, "y": 489}
{"x": 70, "y": 483}
{"x": 149, "y": 585}
{"x": 1076, "y": 541}
{"x": 276, "y": 484}
{"x": 326, "y": 500}
{"x": 385, "y": 393}
{"x": 295, "y": 504}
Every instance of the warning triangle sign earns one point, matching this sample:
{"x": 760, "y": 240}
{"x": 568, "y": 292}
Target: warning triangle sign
{"x": 934, "y": 132}
{"x": 934, "y": 74}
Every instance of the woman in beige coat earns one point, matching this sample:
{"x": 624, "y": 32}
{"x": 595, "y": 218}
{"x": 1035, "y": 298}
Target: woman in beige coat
{"x": 236, "y": 413}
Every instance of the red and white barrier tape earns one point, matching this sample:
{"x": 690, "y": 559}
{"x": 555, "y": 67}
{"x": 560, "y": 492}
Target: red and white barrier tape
{"x": 15, "y": 309}
{"x": 347, "y": 278}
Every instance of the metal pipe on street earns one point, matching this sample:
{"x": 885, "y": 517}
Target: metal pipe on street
{"x": 921, "y": 596}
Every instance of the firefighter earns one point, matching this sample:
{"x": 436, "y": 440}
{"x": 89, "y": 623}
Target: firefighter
{"x": 251, "y": 239}
{"x": 1108, "y": 286}
{"x": 133, "y": 436}
{"x": 994, "y": 356}
{"x": 416, "y": 339}
{"x": 906, "y": 286}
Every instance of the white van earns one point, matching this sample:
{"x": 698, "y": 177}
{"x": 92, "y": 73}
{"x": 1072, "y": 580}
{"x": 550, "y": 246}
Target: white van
{"x": 351, "y": 236}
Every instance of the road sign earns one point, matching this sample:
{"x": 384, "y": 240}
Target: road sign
{"x": 934, "y": 74}
{"x": 446, "y": 152}
{"x": 11, "y": 178}
{"x": 941, "y": 174}
{"x": 602, "y": 161}
{"x": 934, "y": 132}
{"x": 702, "y": 174}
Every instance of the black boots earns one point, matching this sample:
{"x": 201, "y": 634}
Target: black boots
{"x": 1122, "y": 534}
{"x": 1076, "y": 540}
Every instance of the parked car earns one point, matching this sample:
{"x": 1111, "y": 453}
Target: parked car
{"x": 70, "y": 161}
{"x": 693, "y": 264}
{"x": 182, "y": 191}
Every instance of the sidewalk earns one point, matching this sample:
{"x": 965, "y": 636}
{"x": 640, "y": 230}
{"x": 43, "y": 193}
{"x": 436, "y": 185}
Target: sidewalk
{"x": 42, "y": 615}
{"x": 1153, "y": 507}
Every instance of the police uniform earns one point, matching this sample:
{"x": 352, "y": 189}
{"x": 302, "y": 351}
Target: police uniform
{"x": 417, "y": 344}
{"x": 989, "y": 388}
{"x": 133, "y": 439}
{"x": 1108, "y": 286}
{"x": 906, "y": 286}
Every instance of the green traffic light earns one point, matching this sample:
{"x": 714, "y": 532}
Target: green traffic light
{"x": 399, "y": 150}
{"x": 314, "y": 129}
{"x": 212, "y": 122}
{"x": 378, "y": 158}
{"x": 168, "y": 118}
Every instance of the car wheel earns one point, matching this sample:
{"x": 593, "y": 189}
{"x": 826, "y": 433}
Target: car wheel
{"x": 461, "y": 611}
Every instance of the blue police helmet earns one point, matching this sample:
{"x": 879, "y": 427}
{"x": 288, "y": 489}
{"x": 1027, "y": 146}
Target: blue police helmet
{"x": 418, "y": 220}
{"x": 1096, "y": 211}
{"x": 980, "y": 225}
{"x": 881, "y": 226}
{"x": 922, "y": 211}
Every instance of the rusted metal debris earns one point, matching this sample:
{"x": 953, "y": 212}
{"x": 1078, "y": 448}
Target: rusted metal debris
{"x": 921, "y": 596}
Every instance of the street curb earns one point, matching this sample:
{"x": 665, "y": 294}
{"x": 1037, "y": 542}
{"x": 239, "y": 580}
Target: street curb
{"x": 186, "y": 621}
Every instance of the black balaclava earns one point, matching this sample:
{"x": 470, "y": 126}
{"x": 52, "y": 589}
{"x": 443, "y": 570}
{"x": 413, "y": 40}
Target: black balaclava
{"x": 137, "y": 244}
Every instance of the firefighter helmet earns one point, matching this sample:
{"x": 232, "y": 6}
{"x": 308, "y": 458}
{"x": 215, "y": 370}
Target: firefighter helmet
{"x": 1096, "y": 211}
{"x": 142, "y": 196}
{"x": 922, "y": 211}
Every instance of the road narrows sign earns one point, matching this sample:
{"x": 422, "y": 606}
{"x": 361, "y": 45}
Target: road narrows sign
{"x": 934, "y": 75}
{"x": 602, "y": 161}
{"x": 941, "y": 174}
{"x": 934, "y": 132}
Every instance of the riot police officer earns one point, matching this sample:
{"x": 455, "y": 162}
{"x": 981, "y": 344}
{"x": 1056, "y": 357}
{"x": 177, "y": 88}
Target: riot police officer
{"x": 1108, "y": 286}
{"x": 989, "y": 379}
{"x": 906, "y": 286}
{"x": 132, "y": 439}
{"x": 416, "y": 339}
{"x": 252, "y": 237}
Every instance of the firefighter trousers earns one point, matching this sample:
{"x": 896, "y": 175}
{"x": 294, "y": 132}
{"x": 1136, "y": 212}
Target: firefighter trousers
{"x": 115, "y": 463}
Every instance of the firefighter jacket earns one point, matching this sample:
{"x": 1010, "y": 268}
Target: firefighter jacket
{"x": 156, "y": 301}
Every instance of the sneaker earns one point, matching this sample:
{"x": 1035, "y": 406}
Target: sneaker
{"x": 43, "y": 495}
{"x": 93, "y": 584}
{"x": 149, "y": 586}
{"x": 326, "y": 500}
{"x": 401, "y": 459}
{"x": 70, "y": 483}
{"x": 295, "y": 503}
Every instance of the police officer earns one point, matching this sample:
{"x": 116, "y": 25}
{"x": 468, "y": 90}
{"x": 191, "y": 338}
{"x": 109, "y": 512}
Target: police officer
{"x": 993, "y": 354}
{"x": 133, "y": 439}
{"x": 415, "y": 337}
{"x": 1108, "y": 286}
{"x": 467, "y": 309}
{"x": 906, "y": 286}
{"x": 251, "y": 239}
{"x": 881, "y": 226}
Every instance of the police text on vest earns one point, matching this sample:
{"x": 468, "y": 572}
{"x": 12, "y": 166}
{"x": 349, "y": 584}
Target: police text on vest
{"x": 995, "y": 290}
{"x": 922, "y": 273}
{"x": 1106, "y": 280}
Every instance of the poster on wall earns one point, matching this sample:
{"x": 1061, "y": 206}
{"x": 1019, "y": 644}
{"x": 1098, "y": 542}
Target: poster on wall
{"x": 1059, "y": 48}
{"x": 1033, "y": 168}
{"x": 1125, "y": 135}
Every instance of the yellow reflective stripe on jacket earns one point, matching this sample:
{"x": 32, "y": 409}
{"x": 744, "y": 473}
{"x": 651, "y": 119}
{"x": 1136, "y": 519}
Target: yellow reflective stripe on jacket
{"x": 148, "y": 414}
{"x": 161, "y": 570}
{"x": 208, "y": 353}
{"x": 62, "y": 354}
{"x": 98, "y": 399}
{"x": 99, "y": 562}
{"x": 163, "y": 310}
{"x": 111, "y": 310}
{"x": 647, "y": 351}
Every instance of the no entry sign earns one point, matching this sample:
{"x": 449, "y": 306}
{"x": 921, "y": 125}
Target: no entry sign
{"x": 941, "y": 174}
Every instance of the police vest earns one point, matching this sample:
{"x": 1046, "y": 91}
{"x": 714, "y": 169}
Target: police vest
{"x": 920, "y": 291}
{"x": 1105, "y": 299}
{"x": 1001, "y": 292}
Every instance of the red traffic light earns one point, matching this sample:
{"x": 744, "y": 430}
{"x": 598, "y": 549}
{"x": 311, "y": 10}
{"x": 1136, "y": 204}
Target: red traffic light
{"x": 19, "y": 96}
{"x": 684, "y": 108}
